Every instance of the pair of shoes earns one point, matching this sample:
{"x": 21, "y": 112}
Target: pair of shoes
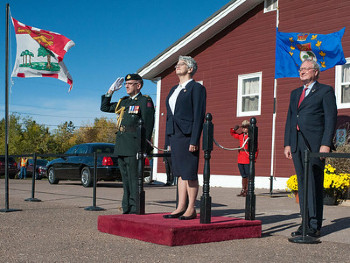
{"x": 299, "y": 232}
{"x": 313, "y": 233}
{"x": 193, "y": 216}
{"x": 241, "y": 193}
{"x": 177, "y": 215}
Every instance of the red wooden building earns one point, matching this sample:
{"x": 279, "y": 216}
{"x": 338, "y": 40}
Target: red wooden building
{"x": 235, "y": 52}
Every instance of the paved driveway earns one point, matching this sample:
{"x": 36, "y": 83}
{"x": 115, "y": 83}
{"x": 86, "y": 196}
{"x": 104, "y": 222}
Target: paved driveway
{"x": 58, "y": 229}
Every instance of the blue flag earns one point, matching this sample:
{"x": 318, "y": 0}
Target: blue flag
{"x": 293, "y": 48}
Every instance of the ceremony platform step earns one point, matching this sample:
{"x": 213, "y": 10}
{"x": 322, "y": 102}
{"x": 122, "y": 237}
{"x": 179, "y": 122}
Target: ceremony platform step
{"x": 154, "y": 228}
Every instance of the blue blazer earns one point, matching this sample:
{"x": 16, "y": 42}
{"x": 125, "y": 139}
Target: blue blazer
{"x": 189, "y": 112}
{"x": 316, "y": 117}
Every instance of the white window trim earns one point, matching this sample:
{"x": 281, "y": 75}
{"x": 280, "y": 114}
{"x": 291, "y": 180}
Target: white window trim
{"x": 338, "y": 72}
{"x": 239, "y": 94}
{"x": 266, "y": 6}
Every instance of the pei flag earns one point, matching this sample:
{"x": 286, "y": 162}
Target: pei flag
{"x": 40, "y": 53}
{"x": 293, "y": 48}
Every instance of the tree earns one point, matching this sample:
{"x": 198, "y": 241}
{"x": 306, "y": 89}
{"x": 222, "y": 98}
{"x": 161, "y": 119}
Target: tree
{"x": 25, "y": 54}
{"x": 15, "y": 135}
{"x": 27, "y": 137}
{"x": 43, "y": 52}
{"x": 102, "y": 130}
{"x": 106, "y": 130}
{"x": 64, "y": 137}
{"x": 36, "y": 138}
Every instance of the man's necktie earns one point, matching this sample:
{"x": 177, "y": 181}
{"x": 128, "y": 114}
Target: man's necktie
{"x": 300, "y": 100}
{"x": 302, "y": 96}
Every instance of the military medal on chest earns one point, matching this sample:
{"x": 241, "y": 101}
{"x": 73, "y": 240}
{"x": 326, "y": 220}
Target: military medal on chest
{"x": 134, "y": 109}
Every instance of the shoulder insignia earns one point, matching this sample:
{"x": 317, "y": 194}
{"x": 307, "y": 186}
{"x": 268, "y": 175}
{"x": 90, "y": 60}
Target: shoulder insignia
{"x": 150, "y": 103}
{"x": 125, "y": 97}
{"x": 147, "y": 97}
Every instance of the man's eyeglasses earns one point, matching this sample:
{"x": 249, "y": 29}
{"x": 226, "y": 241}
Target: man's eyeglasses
{"x": 305, "y": 69}
{"x": 129, "y": 83}
{"x": 180, "y": 64}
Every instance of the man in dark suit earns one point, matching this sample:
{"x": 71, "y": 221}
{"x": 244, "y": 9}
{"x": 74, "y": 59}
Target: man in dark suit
{"x": 310, "y": 124}
{"x": 130, "y": 110}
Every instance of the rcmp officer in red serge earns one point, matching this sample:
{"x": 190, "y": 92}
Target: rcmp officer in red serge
{"x": 129, "y": 110}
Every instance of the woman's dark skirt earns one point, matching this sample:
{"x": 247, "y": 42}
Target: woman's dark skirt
{"x": 184, "y": 162}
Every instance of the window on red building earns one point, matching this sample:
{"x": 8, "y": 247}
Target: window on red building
{"x": 249, "y": 94}
{"x": 270, "y": 5}
{"x": 342, "y": 85}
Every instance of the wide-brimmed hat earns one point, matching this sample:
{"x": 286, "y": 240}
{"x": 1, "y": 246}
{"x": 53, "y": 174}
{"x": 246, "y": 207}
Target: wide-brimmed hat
{"x": 245, "y": 124}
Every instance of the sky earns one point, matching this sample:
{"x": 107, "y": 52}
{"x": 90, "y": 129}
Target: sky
{"x": 112, "y": 38}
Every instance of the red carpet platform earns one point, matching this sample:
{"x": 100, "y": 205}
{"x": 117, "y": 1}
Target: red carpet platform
{"x": 173, "y": 232}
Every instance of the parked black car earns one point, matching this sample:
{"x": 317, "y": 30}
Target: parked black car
{"x": 82, "y": 167}
{"x": 40, "y": 168}
{"x": 12, "y": 167}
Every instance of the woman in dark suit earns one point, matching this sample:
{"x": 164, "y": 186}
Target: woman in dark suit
{"x": 185, "y": 104}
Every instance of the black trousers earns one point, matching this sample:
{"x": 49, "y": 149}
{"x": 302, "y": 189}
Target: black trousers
{"x": 315, "y": 183}
{"x": 128, "y": 170}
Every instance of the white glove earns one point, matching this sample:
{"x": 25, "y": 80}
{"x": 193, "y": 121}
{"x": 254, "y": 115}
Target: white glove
{"x": 116, "y": 85}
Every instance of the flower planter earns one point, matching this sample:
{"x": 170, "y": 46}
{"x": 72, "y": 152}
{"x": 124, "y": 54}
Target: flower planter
{"x": 330, "y": 200}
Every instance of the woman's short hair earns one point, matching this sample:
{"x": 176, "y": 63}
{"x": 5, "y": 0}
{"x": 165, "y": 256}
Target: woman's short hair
{"x": 190, "y": 62}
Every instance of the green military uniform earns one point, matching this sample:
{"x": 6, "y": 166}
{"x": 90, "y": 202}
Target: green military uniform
{"x": 126, "y": 146}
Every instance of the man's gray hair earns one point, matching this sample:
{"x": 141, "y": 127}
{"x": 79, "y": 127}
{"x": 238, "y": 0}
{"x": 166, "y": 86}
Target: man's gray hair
{"x": 314, "y": 65}
{"x": 190, "y": 62}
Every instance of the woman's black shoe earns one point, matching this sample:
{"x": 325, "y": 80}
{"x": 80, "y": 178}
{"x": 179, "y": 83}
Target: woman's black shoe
{"x": 174, "y": 215}
{"x": 193, "y": 216}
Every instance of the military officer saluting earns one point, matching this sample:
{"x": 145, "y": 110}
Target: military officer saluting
{"x": 129, "y": 109}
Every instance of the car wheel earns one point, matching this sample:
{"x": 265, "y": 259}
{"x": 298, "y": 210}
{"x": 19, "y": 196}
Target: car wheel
{"x": 86, "y": 179}
{"x": 52, "y": 177}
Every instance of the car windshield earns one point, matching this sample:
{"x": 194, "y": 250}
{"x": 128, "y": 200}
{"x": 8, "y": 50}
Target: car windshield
{"x": 103, "y": 148}
{"x": 41, "y": 162}
{"x": 72, "y": 150}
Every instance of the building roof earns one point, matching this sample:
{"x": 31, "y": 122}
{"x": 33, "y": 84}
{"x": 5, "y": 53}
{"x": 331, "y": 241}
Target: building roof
{"x": 196, "y": 37}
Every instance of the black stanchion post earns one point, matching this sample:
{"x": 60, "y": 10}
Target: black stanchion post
{"x": 304, "y": 238}
{"x": 253, "y": 147}
{"x": 140, "y": 197}
{"x": 33, "y": 199}
{"x": 94, "y": 207}
{"x": 208, "y": 134}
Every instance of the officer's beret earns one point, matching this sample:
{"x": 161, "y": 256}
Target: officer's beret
{"x": 133, "y": 77}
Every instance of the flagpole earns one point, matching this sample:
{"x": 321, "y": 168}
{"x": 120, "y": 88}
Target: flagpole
{"x": 273, "y": 139}
{"x": 7, "y": 209}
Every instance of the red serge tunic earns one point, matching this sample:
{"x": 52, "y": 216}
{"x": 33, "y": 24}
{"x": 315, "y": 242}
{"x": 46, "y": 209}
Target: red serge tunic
{"x": 243, "y": 155}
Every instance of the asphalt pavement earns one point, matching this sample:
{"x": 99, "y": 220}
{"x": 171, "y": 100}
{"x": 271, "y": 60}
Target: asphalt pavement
{"x": 59, "y": 229}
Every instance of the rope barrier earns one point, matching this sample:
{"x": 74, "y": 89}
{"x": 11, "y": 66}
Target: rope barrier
{"x": 231, "y": 149}
{"x": 155, "y": 147}
{"x": 216, "y": 143}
